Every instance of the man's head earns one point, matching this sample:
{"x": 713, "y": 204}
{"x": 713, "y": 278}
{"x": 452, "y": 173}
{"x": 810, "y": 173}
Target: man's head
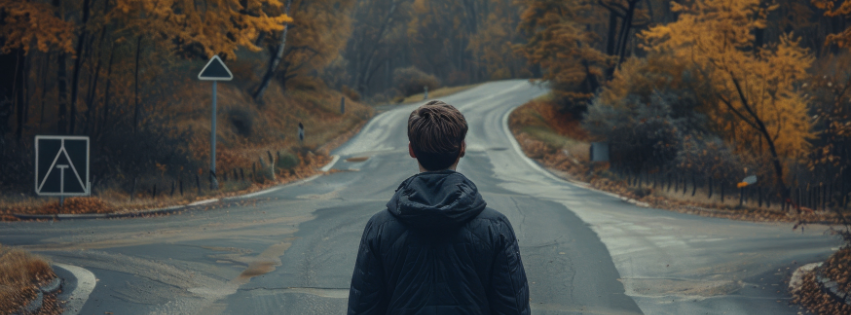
{"x": 436, "y": 133}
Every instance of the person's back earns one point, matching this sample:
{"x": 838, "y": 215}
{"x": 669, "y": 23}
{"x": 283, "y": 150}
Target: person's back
{"x": 437, "y": 248}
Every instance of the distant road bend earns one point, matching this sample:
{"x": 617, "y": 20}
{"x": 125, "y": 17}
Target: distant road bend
{"x": 292, "y": 250}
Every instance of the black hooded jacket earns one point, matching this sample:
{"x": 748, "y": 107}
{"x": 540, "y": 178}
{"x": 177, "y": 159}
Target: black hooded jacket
{"x": 438, "y": 249}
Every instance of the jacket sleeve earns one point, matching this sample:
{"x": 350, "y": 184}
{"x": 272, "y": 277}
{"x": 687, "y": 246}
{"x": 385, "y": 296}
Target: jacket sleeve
{"x": 509, "y": 290}
{"x": 367, "y": 293}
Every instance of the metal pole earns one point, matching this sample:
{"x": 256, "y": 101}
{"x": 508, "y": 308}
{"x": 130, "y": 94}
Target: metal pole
{"x": 213, "y": 180}
{"x": 62, "y": 184}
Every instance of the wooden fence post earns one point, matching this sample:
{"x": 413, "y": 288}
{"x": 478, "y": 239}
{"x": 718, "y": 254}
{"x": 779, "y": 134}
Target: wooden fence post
{"x": 668, "y": 177}
{"x": 741, "y": 196}
{"x": 154, "y": 193}
{"x": 768, "y": 198}
{"x": 677, "y": 183}
{"x": 172, "y": 188}
{"x": 655, "y": 179}
{"x": 693, "y": 183}
{"x": 798, "y": 195}
{"x": 180, "y": 181}
{"x": 198, "y": 184}
{"x": 710, "y": 187}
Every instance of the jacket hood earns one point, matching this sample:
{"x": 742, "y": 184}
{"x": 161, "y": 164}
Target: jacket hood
{"x": 436, "y": 200}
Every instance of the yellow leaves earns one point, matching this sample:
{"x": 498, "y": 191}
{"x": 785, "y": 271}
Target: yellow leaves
{"x": 716, "y": 38}
{"x": 29, "y": 24}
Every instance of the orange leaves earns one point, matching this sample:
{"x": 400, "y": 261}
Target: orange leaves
{"x": 843, "y": 38}
{"x": 560, "y": 42}
{"x": 219, "y": 26}
{"x": 30, "y": 24}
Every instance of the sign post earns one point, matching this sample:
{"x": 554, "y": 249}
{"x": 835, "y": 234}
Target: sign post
{"x": 62, "y": 166}
{"x": 215, "y": 71}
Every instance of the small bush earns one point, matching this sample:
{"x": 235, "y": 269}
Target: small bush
{"x": 304, "y": 83}
{"x": 351, "y": 93}
{"x": 644, "y": 134}
{"x": 410, "y": 81}
{"x": 242, "y": 121}
{"x": 266, "y": 171}
{"x": 287, "y": 161}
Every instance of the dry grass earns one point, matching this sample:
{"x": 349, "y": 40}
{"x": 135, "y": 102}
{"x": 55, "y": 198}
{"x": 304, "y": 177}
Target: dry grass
{"x": 116, "y": 201}
{"x": 21, "y": 274}
{"x": 441, "y": 92}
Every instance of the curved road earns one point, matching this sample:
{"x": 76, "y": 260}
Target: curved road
{"x": 291, "y": 250}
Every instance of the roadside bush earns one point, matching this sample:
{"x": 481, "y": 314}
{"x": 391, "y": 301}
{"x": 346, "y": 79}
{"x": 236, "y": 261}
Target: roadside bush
{"x": 351, "y": 93}
{"x": 410, "y": 81}
{"x": 643, "y": 135}
{"x": 123, "y": 155}
{"x": 287, "y": 161}
{"x": 242, "y": 121}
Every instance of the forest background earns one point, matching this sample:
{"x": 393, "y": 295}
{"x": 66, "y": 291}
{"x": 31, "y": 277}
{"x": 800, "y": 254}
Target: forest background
{"x": 721, "y": 88}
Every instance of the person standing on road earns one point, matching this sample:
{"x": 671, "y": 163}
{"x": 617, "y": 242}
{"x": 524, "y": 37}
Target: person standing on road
{"x": 438, "y": 248}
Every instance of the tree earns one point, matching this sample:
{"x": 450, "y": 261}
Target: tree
{"x": 275, "y": 60}
{"x": 218, "y": 26}
{"x": 561, "y": 42}
{"x": 831, "y": 9}
{"x": 756, "y": 96}
{"x": 373, "y": 21}
{"x": 317, "y": 36}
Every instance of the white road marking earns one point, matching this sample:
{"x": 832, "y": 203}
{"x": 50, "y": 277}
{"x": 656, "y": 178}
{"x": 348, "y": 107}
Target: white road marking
{"x": 85, "y": 285}
{"x": 328, "y": 166}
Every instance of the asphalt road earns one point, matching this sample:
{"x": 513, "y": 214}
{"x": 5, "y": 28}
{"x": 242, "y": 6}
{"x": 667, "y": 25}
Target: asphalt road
{"x": 292, "y": 249}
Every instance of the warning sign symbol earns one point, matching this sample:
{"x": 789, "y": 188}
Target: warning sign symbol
{"x": 62, "y": 166}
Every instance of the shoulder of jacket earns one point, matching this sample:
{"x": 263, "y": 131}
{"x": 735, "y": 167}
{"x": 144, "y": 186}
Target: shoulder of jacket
{"x": 491, "y": 215}
{"x": 381, "y": 218}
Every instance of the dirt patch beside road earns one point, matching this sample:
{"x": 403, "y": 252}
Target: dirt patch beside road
{"x": 21, "y": 275}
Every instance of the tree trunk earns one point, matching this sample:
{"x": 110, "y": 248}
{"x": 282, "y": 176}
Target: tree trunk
{"x": 625, "y": 29}
{"x": 44, "y": 74}
{"x": 62, "y": 126}
{"x": 78, "y": 62}
{"x": 362, "y": 77}
{"x": 18, "y": 90}
{"x": 106, "y": 92}
{"x": 270, "y": 72}
{"x": 90, "y": 99}
{"x": 136, "y": 95}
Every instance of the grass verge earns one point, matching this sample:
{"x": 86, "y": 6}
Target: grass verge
{"x": 21, "y": 275}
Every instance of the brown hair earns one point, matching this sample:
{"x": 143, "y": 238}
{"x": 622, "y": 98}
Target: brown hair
{"x": 436, "y": 131}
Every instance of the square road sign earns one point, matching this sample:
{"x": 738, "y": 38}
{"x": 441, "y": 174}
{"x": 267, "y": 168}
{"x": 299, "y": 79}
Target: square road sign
{"x": 62, "y": 166}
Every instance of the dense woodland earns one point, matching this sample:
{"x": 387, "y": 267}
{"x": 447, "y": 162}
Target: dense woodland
{"x": 724, "y": 88}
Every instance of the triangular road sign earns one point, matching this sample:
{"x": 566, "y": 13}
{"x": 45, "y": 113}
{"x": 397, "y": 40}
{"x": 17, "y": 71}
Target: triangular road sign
{"x": 215, "y": 70}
